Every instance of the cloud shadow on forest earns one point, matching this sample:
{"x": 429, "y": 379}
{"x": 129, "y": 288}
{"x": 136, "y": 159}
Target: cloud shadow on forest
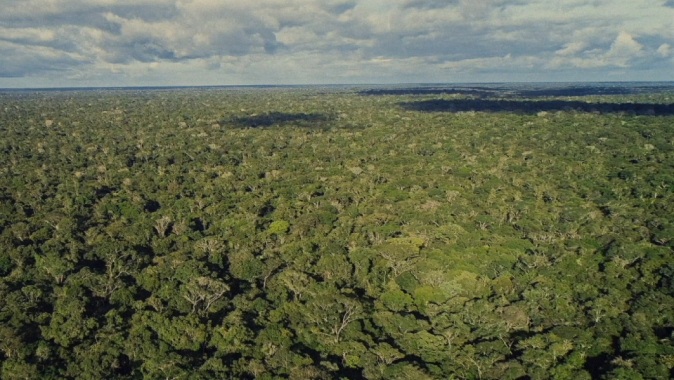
{"x": 515, "y": 92}
{"x": 580, "y": 91}
{"x": 279, "y": 118}
{"x": 473, "y": 91}
{"x": 532, "y": 107}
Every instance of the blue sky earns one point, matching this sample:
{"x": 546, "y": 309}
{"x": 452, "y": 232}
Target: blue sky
{"x": 72, "y": 43}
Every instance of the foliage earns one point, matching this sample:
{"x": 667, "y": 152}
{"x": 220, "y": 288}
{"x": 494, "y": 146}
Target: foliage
{"x": 318, "y": 234}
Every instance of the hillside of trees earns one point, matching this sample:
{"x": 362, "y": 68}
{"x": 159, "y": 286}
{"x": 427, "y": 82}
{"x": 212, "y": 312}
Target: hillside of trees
{"x": 311, "y": 233}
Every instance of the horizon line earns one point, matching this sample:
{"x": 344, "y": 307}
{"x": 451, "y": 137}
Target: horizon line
{"x": 158, "y": 87}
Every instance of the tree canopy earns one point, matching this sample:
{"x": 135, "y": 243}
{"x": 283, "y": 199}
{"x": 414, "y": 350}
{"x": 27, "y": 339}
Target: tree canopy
{"x": 324, "y": 234}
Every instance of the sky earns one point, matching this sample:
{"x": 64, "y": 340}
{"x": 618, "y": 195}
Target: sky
{"x": 85, "y": 43}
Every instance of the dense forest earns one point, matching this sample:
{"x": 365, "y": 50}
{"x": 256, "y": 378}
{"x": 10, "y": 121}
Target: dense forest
{"x": 336, "y": 233}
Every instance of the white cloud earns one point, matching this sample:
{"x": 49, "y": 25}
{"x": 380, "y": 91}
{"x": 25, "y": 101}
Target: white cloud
{"x": 29, "y": 59}
{"x": 571, "y": 48}
{"x": 624, "y": 48}
{"x": 31, "y": 35}
{"x": 493, "y": 63}
{"x": 622, "y": 53}
{"x": 394, "y": 39}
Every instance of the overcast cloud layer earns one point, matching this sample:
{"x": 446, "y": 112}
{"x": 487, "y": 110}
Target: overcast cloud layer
{"x": 47, "y": 43}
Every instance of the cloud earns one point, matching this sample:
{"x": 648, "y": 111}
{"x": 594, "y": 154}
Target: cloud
{"x": 430, "y": 40}
{"x": 493, "y": 63}
{"x": 665, "y": 50}
{"x": 622, "y": 53}
{"x": 571, "y": 48}
{"x": 27, "y": 35}
{"x": 18, "y": 60}
{"x": 625, "y": 48}
{"x": 427, "y": 4}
